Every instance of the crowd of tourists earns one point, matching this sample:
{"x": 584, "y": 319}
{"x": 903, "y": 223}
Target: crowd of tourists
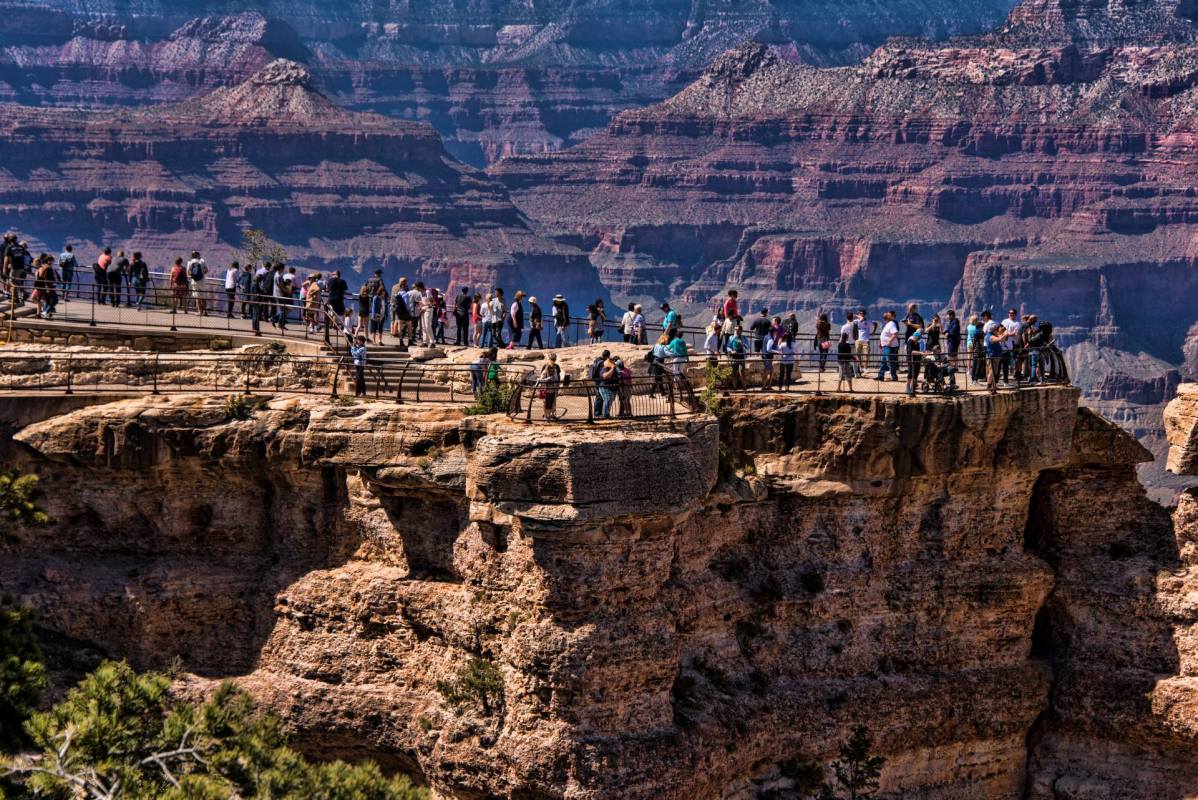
{"x": 928, "y": 352}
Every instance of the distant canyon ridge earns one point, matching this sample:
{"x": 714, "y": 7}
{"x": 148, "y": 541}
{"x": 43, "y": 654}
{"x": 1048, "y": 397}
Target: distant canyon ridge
{"x": 792, "y": 150}
{"x": 493, "y": 77}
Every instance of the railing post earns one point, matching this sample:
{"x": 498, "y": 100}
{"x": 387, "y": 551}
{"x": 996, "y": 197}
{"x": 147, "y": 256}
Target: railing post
{"x": 336, "y": 377}
{"x": 670, "y": 397}
{"x": 173, "y": 327}
{"x": 590, "y": 403}
{"x": 92, "y": 322}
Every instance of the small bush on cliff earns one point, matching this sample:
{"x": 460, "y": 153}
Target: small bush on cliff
{"x": 18, "y": 502}
{"x": 123, "y": 735}
{"x": 715, "y": 376}
{"x": 856, "y": 772}
{"x": 494, "y": 398}
{"x": 242, "y": 406}
{"x": 477, "y": 683}
{"x": 22, "y": 674}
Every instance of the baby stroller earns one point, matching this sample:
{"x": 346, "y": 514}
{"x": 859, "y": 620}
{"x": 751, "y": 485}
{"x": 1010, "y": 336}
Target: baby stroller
{"x": 939, "y": 376}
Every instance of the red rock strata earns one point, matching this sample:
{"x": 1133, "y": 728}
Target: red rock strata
{"x": 1049, "y": 167}
{"x": 493, "y": 77}
{"x": 337, "y": 189}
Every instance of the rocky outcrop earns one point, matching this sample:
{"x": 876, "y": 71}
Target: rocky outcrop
{"x": 336, "y": 189}
{"x": 664, "y": 621}
{"x": 1045, "y": 172}
{"x": 493, "y": 78}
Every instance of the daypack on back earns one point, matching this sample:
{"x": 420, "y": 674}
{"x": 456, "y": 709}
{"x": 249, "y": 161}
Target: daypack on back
{"x": 196, "y": 271}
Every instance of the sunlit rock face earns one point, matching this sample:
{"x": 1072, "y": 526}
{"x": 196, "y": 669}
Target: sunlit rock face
{"x": 982, "y": 582}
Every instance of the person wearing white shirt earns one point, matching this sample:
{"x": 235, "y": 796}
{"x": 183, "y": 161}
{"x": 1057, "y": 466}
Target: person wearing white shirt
{"x": 711, "y": 345}
{"x": 626, "y": 322}
{"x": 889, "y": 342}
{"x": 231, "y": 275}
{"x": 1013, "y": 327}
{"x": 785, "y": 350}
{"x": 865, "y": 329}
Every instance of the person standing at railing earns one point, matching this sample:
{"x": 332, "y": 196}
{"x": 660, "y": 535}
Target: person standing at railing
{"x": 785, "y": 351}
{"x": 337, "y": 289}
{"x": 118, "y": 277}
{"x": 932, "y": 333}
{"x": 536, "y": 322}
{"x": 670, "y": 323}
{"x": 139, "y": 279}
{"x": 678, "y": 352}
{"x": 100, "y": 273}
{"x": 711, "y": 344}
{"x": 657, "y": 358}
{"x": 197, "y": 277}
{"x": 1011, "y": 343}
{"x": 313, "y": 304}
{"x": 44, "y": 282}
{"x": 845, "y": 366}
{"x": 737, "y": 348}
{"x": 281, "y": 295}
{"x": 761, "y": 330}
{"x": 178, "y": 281}
{"x": 357, "y": 352}
{"x": 596, "y": 320}
{"x": 560, "y": 312}
{"x": 823, "y": 339}
{"x": 996, "y": 355}
{"x": 67, "y": 265}
{"x": 245, "y": 290}
{"x": 849, "y": 327}
{"x": 889, "y": 343}
{"x": 609, "y": 386}
{"x": 232, "y": 273}
{"x": 791, "y": 324}
{"x": 417, "y": 301}
{"x": 866, "y": 330}
{"x": 952, "y": 333}
{"x": 516, "y": 319}
{"x": 462, "y": 307}
{"x": 638, "y": 324}
{"x": 549, "y": 379}
{"x": 915, "y": 345}
{"x": 498, "y": 314}
{"x": 476, "y": 318}
{"x": 976, "y": 349}
{"x": 487, "y": 337}
{"x": 378, "y": 314}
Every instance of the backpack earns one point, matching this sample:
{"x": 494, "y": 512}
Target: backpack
{"x": 196, "y": 271}
{"x": 649, "y": 357}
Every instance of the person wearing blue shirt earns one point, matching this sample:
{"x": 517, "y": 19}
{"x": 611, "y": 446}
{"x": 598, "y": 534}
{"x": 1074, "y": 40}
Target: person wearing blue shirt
{"x": 670, "y": 323}
{"x": 357, "y": 352}
{"x": 736, "y": 347}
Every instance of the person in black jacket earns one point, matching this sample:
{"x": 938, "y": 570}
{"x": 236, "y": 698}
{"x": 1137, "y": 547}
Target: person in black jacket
{"x": 461, "y": 317}
{"x": 139, "y": 279}
{"x": 535, "y": 323}
{"x": 337, "y": 289}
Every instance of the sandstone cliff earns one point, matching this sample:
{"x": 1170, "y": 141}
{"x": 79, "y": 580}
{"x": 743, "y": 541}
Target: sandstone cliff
{"x": 494, "y": 78}
{"x": 664, "y": 625}
{"x": 337, "y": 189}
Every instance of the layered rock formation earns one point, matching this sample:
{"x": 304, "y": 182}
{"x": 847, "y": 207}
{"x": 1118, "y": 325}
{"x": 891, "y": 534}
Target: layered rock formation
{"x": 336, "y": 189}
{"x": 494, "y": 78}
{"x": 1046, "y": 167}
{"x": 931, "y": 569}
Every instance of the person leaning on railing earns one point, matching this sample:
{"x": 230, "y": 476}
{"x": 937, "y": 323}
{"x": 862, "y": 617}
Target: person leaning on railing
{"x": 139, "y": 279}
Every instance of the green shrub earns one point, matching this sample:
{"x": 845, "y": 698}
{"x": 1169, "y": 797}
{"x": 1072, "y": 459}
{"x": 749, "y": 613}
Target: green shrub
{"x": 18, "y": 502}
{"x": 477, "y": 683}
{"x": 857, "y": 771}
{"x": 493, "y": 398}
{"x": 121, "y": 734}
{"x": 22, "y": 674}
{"x": 239, "y": 407}
{"x": 715, "y": 374}
{"x": 220, "y": 344}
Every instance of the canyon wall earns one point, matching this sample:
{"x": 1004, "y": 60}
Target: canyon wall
{"x": 494, "y": 78}
{"x": 666, "y": 621}
{"x": 337, "y": 189}
{"x": 1046, "y": 166}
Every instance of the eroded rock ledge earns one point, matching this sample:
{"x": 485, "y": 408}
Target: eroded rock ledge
{"x": 678, "y": 610}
